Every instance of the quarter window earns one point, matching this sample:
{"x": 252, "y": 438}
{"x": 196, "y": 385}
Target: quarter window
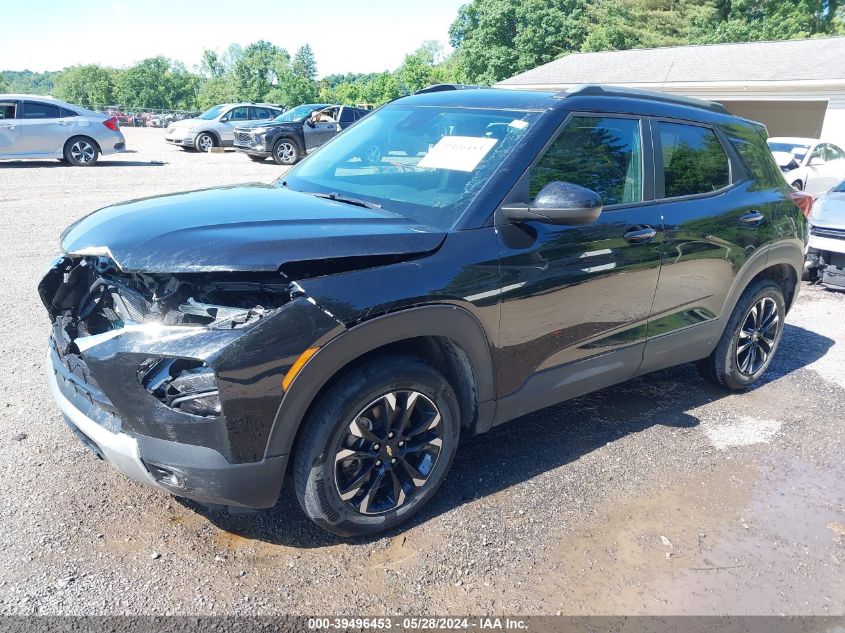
{"x": 35, "y": 110}
{"x": 694, "y": 160}
{"x": 600, "y": 153}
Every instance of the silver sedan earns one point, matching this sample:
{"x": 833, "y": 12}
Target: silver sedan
{"x": 43, "y": 127}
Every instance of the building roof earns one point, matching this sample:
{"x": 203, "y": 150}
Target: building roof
{"x": 791, "y": 61}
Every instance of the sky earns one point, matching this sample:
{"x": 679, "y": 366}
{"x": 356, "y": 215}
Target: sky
{"x": 345, "y": 35}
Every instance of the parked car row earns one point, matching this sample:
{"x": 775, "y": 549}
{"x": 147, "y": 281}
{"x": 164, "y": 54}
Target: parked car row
{"x": 291, "y": 135}
{"x": 808, "y": 164}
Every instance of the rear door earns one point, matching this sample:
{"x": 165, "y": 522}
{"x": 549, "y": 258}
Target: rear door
{"x": 43, "y": 128}
{"x": 715, "y": 217}
{"x": 9, "y": 128}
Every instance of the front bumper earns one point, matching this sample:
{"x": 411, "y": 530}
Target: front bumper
{"x": 194, "y": 472}
{"x": 254, "y": 146}
{"x": 179, "y": 137}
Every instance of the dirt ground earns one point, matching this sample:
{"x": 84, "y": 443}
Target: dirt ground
{"x": 660, "y": 496}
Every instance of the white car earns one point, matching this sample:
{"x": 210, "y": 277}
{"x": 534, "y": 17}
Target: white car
{"x": 808, "y": 164}
{"x": 216, "y": 126}
{"x": 43, "y": 127}
{"x": 826, "y": 248}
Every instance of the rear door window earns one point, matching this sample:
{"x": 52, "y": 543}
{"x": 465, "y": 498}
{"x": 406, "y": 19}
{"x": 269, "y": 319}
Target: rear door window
{"x": 600, "y": 153}
{"x": 694, "y": 161}
{"x": 347, "y": 115}
{"x": 36, "y": 110}
{"x": 261, "y": 113}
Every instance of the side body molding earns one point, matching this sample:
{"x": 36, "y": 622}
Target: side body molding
{"x": 447, "y": 321}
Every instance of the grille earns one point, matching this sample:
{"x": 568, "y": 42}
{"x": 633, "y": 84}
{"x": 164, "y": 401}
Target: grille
{"x": 837, "y": 234}
{"x": 243, "y": 137}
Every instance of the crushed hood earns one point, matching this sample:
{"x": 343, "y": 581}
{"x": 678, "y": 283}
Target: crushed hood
{"x": 242, "y": 228}
{"x": 829, "y": 211}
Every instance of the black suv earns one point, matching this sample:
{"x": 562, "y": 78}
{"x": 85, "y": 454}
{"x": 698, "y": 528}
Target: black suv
{"x": 294, "y": 133}
{"x": 344, "y": 325}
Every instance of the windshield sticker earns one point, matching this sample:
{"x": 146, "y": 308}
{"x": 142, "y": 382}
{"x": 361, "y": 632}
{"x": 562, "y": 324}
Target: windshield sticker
{"x": 458, "y": 153}
{"x": 519, "y": 124}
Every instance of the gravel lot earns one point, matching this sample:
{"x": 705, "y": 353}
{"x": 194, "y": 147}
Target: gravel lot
{"x": 660, "y": 496}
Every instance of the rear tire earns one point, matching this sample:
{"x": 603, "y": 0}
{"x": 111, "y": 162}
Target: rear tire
{"x": 750, "y": 339}
{"x": 376, "y": 446}
{"x": 81, "y": 151}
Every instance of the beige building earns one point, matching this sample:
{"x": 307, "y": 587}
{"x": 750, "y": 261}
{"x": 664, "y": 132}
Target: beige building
{"x": 796, "y": 88}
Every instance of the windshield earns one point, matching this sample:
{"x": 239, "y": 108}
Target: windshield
{"x": 799, "y": 150}
{"x": 211, "y": 113}
{"x": 422, "y": 163}
{"x": 298, "y": 113}
{"x": 840, "y": 188}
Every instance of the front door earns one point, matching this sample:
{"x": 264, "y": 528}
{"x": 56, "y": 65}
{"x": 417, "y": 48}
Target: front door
{"x": 576, "y": 299}
{"x": 319, "y": 128}
{"x": 9, "y": 129}
{"x": 234, "y": 118}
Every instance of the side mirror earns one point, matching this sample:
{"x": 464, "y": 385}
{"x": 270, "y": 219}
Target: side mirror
{"x": 309, "y": 122}
{"x": 558, "y": 203}
{"x": 224, "y": 119}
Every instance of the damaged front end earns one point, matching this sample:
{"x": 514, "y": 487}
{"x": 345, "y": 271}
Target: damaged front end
{"x": 825, "y": 261}
{"x": 176, "y": 379}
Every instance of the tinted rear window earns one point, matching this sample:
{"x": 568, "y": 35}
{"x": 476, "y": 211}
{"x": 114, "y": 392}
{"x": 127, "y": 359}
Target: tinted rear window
{"x": 35, "y": 110}
{"x": 694, "y": 160}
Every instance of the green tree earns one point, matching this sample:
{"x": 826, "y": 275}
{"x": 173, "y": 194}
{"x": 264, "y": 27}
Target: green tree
{"x": 91, "y": 85}
{"x": 214, "y": 91}
{"x": 3, "y": 85}
{"x": 258, "y": 69}
{"x": 157, "y": 83}
{"x": 418, "y": 69}
{"x": 304, "y": 63}
{"x": 211, "y": 65}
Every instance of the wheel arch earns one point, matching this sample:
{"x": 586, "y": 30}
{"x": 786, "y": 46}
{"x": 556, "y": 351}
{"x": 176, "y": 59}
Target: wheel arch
{"x": 86, "y": 137}
{"x": 213, "y": 133}
{"x": 448, "y": 337}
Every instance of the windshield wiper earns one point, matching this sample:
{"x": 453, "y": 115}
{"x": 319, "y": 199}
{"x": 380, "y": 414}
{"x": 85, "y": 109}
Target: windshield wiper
{"x": 345, "y": 199}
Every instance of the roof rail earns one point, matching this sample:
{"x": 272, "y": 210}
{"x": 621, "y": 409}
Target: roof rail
{"x": 598, "y": 90}
{"x": 443, "y": 87}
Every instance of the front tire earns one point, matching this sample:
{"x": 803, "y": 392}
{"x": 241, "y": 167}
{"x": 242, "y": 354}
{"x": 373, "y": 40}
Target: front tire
{"x": 204, "y": 142}
{"x": 285, "y": 151}
{"x": 81, "y": 151}
{"x": 377, "y": 446}
{"x": 750, "y": 339}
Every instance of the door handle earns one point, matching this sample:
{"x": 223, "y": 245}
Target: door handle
{"x": 752, "y": 218}
{"x": 640, "y": 234}
{"x": 7, "y": 127}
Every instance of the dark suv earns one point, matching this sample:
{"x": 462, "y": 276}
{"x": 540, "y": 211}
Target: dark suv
{"x": 294, "y": 133}
{"x": 343, "y": 326}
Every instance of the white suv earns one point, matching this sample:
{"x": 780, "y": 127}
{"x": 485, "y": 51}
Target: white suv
{"x": 808, "y": 164}
{"x": 216, "y": 126}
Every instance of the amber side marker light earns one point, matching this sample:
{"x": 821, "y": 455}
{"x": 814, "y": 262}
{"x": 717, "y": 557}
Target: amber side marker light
{"x": 304, "y": 357}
